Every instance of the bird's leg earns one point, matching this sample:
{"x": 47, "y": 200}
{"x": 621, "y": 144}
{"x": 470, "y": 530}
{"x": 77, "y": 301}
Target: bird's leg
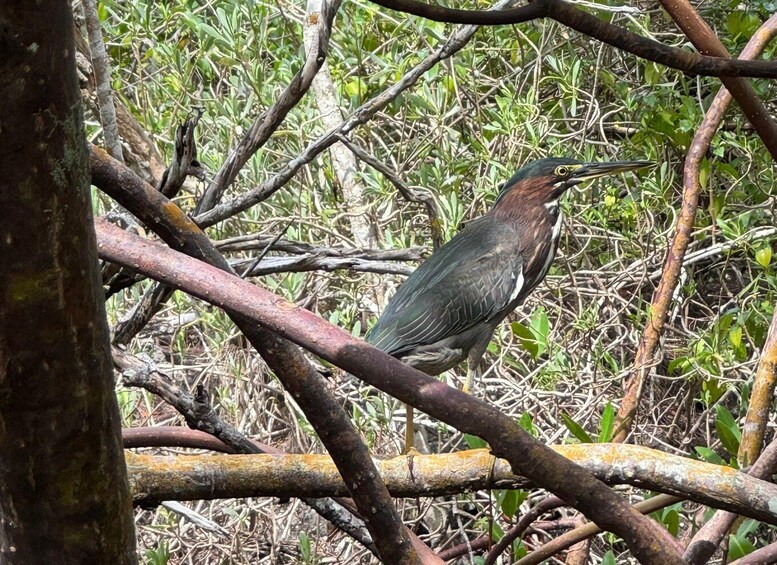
{"x": 473, "y": 370}
{"x": 409, "y": 431}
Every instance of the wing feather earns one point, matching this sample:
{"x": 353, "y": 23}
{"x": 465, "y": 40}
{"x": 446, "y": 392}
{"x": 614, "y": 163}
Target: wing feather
{"x": 472, "y": 279}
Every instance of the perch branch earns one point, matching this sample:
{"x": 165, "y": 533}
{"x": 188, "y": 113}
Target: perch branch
{"x": 648, "y": 541}
{"x": 220, "y": 476}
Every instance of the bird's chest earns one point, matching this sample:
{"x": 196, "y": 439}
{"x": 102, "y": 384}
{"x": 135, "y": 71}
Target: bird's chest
{"x": 538, "y": 247}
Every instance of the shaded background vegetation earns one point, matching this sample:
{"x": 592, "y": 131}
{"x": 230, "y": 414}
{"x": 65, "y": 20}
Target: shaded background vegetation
{"x": 513, "y": 94}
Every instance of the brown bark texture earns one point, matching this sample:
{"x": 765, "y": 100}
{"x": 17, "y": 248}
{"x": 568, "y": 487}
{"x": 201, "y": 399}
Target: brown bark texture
{"x": 64, "y": 495}
{"x": 649, "y": 543}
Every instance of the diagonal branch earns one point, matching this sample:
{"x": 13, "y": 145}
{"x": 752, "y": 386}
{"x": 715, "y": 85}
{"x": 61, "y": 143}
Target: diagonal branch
{"x": 707, "y": 42}
{"x": 266, "y": 124}
{"x": 648, "y": 541}
{"x": 409, "y": 194}
{"x": 200, "y": 417}
{"x": 673, "y": 263}
{"x": 361, "y": 116}
{"x": 587, "y": 24}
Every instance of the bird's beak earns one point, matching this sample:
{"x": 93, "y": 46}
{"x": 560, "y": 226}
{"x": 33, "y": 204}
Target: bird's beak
{"x": 588, "y": 171}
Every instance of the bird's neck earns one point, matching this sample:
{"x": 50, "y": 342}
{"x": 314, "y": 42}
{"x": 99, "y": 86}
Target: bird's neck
{"x": 537, "y": 226}
{"x": 524, "y": 205}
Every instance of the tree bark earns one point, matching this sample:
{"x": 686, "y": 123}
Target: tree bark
{"x": 64, "y": 495}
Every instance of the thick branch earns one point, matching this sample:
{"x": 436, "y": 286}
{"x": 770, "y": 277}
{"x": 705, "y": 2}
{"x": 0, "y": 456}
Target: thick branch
{"x": 649, "y": 542}
{"x": 156, "y": 478}
{"x": 567, "y": 14}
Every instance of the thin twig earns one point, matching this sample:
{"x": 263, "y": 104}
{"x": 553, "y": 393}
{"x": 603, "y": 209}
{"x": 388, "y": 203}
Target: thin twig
{"x": 410, "y": 194}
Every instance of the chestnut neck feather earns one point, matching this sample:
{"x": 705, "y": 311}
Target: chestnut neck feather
{"x": 523, "y": 207}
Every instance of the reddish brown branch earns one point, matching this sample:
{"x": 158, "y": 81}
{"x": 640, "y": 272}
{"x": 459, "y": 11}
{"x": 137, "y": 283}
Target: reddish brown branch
{"x": 517, "y": 531}
{"x": 567, "y": 14}
{"x": 676, "y": 252}
{"x": 708, "y": 538}
{"x": 707, "y": 42}
{"x": 172, "y": 436}
{"x": 540, "y": 464}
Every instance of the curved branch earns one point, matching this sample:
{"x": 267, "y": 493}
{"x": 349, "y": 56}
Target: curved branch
{"x": 587, "y": 24}
{"x": 648, "y": 541}
{"x": 676, "y": 253}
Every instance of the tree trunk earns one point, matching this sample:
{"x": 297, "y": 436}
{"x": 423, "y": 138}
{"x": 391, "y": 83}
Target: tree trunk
{"x": 64, "y": 496}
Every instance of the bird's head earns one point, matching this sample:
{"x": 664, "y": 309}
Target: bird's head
{"x": 544, "y": 181}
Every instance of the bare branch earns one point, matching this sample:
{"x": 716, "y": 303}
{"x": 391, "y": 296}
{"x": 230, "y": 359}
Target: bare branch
{"x": 676, "y": 253}
{"x": 266, "y": 124}
{"x": 102, "y": 75}
{"x": 209, "y": 476}
{"x": 647, "y": 540}
{"x": 306, "y": 263}
{"x": 567, "y": 14}
{"x": 409, "y": 194}
{"x": 707, "y": 42}
{"x": 364, "y": 232}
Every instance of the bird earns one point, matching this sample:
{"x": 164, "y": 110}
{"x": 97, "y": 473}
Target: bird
{"x": 448, "y": 309}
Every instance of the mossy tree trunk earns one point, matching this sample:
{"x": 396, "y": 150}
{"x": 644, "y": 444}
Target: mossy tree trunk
{"x": 64, "y": 496}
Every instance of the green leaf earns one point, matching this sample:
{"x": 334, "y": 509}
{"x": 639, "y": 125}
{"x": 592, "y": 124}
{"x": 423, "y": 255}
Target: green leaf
{"x": 527, "y": 423}
{"x": 608, "y": 422}
{"x": 526, "y": 338}
{"x": 709, "y": 455}
{"x": 738, "y": 547}
{"x": 727, "y": 429}
{"x": 576, "y": 429}
{"x": 609, "y": 559}
{"x": 671, "y": 522}
{"x": 510, "y": 501}
{"x": 764, "y": 256}
{"x": 474, "y": 442}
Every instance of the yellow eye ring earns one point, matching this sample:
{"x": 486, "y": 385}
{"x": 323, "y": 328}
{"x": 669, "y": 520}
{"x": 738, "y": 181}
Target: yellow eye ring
{"x": 562, "y": 171}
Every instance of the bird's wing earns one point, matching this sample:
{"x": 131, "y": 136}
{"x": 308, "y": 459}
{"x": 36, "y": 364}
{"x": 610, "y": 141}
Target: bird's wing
{"x": 467, "y": 281}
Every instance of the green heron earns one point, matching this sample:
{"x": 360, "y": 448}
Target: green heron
{"x": 448, "y": 309}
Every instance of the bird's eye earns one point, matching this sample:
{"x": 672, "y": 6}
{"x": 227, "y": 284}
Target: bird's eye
{"x": 562, "y": 171}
